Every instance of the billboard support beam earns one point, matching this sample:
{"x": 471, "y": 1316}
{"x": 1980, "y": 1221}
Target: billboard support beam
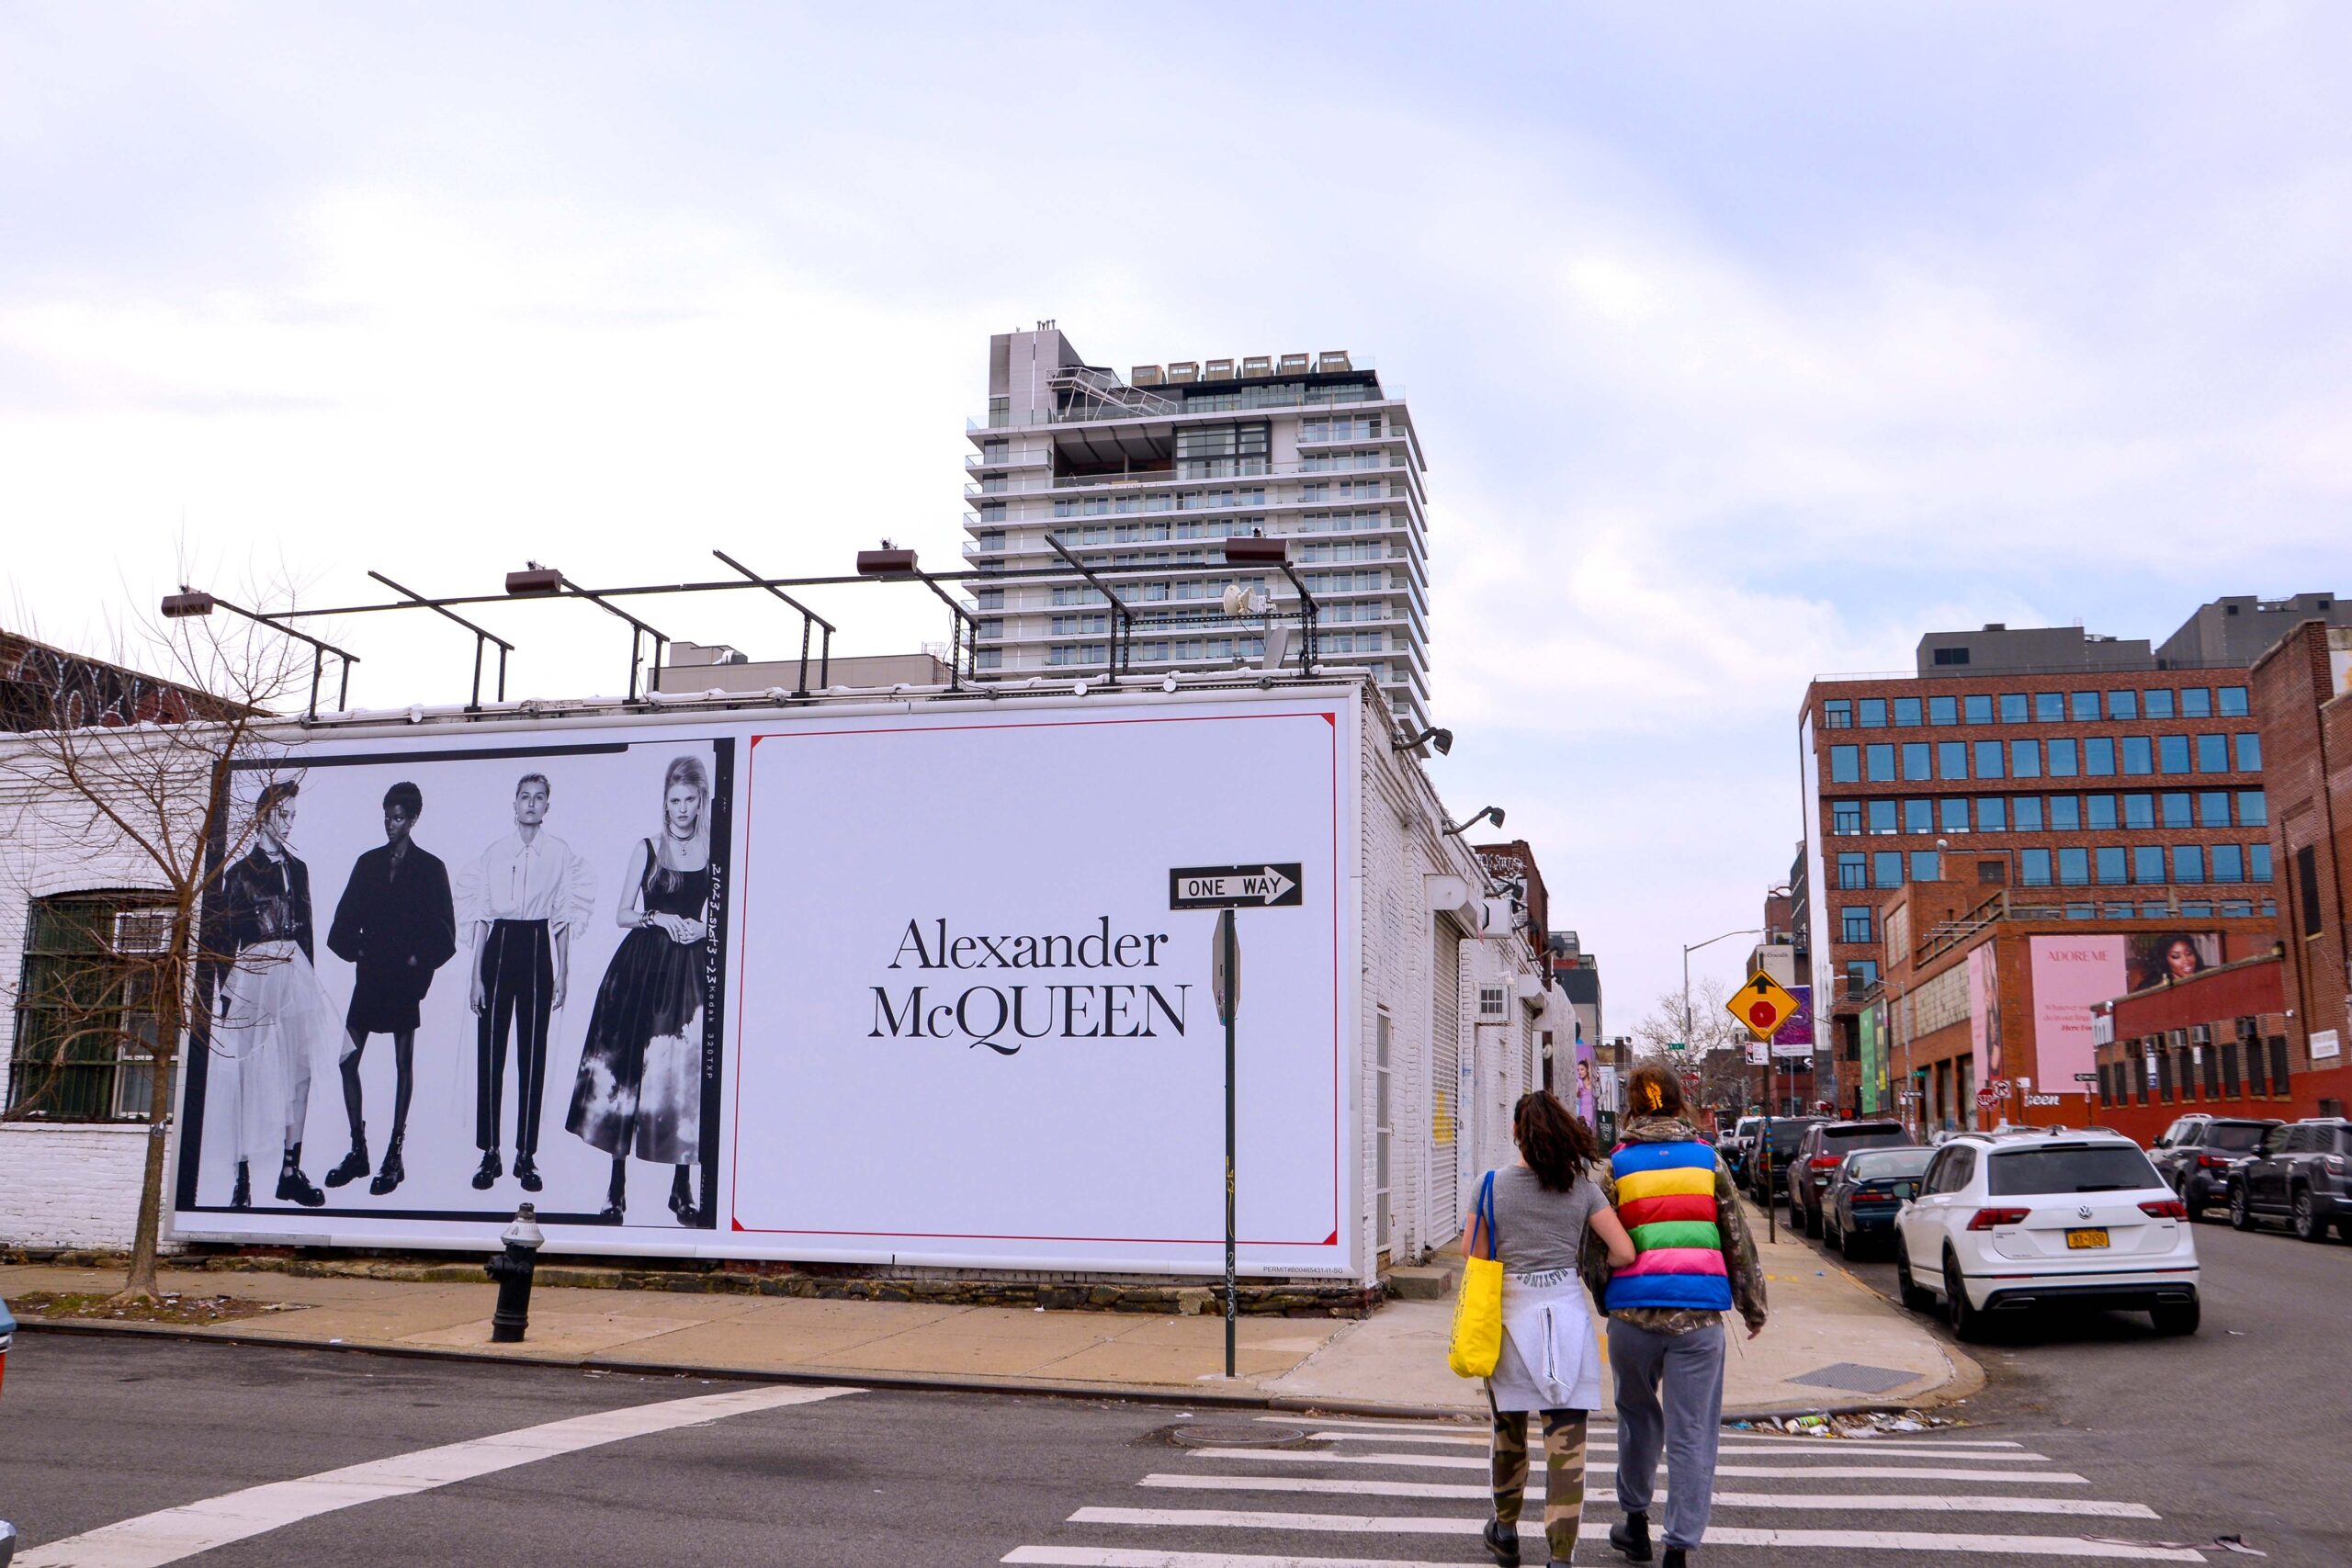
{"x": 481, "y": 636}
{"x": 807, "y": 616}
{"x": 1122, "y": 623}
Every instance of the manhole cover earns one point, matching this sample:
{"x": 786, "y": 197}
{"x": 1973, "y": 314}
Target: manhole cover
{"x": 1230, "y": 1435}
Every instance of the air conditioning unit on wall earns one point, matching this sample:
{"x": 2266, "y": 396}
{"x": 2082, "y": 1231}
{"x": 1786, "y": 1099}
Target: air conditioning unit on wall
{"x": 2200, "y": 1035}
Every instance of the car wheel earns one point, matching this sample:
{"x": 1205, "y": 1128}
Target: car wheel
{"x": 2240, "y": 1213}
{"x": 2307, "y": 1221}
{"x": 2200, "y": 1198}
{"x": 1813, "y": 1222}
{"x": 1968, "y": 1324}
{"x": 1915, "y": 1296}
{"x": 1833, "y": 1236}
{"x": 2178, "y": 1319}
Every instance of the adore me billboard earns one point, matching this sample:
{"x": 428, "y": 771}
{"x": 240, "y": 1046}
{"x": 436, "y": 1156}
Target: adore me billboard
{"x": 837, "y": 986}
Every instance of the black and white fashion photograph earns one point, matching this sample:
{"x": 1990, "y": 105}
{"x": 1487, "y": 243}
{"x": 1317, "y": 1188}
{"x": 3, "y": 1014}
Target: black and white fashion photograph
{"x": 513, "y": 988}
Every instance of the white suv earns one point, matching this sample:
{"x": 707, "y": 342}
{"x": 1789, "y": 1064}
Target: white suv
{"x": 2006, "y": 1222}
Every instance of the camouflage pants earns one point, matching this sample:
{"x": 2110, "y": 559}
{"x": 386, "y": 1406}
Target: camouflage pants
{"x": 1563, "y": 1433}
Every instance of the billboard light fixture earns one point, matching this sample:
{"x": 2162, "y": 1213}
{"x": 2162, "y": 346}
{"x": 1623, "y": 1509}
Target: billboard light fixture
{"x": 185, "y": 603}
{"x": 1441, "y": 738}
{"x": 535, "y": 581}
{"x": 887, "y": 561}
{"x": 1484, "y": 813}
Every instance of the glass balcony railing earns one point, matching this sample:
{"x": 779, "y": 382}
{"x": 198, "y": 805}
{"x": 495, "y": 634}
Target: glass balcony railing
{"x": 1239, "y": 399}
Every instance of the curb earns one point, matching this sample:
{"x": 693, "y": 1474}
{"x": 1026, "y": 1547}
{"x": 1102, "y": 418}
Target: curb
{"x": 895, "y": 1382}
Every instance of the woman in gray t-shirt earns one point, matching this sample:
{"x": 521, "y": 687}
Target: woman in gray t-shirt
{"x": 1551, "y": 1359}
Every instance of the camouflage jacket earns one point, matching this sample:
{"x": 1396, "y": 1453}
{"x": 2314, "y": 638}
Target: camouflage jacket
{"x": 1739, "y": 1248}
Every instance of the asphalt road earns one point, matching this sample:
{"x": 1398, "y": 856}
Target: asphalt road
{"x": 2244, "y": 1427}
{"x": 95, "y": 1430}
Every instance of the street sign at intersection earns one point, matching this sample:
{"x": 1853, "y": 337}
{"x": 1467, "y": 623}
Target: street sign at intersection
{"x": 1763, "y": 1004}
{"x": 1265, "y": 884}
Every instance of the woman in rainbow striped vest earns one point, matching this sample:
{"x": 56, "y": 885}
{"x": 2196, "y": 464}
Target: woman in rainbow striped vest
{"x": 1693, "y": 1261}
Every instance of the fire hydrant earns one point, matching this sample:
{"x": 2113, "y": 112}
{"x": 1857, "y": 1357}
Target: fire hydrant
{"x": 513, "y": 1269}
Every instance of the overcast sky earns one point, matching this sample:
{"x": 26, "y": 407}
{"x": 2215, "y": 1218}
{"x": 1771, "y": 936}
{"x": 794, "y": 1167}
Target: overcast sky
{"x": 1745, "y": 342}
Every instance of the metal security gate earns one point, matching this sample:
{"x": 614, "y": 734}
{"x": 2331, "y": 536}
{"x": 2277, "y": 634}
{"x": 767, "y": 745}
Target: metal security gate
{"x": 1445, "y": 1084}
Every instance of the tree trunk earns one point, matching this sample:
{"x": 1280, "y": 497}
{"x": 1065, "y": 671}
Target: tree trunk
{"x": 139, "y": 1284}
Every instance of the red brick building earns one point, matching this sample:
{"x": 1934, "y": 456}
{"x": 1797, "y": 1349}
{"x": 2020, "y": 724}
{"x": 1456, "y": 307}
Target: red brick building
{"x": 2214, "y": 1043}
{"x": 2303, "y": 687}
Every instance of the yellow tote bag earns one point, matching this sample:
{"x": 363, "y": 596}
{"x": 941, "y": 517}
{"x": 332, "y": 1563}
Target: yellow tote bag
{"x": 1479, "y": 1315}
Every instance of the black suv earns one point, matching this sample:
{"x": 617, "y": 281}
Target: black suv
{"x": 1763, "y": 1183}
{"x": 2301, "y": 1174}
{"x": 2196, "y": 1152}
{"x": 1825, "y": 1144}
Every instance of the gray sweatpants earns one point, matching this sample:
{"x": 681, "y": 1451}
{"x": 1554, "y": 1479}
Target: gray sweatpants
{"x": 1685, "y": 1422}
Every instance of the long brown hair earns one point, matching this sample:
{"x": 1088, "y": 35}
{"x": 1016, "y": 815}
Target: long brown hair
{"x": 1653, "y": 1090}
{"x": 1558, "y": 1147}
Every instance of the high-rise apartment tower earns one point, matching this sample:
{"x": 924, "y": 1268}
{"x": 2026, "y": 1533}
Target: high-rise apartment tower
{"x": 1156, "y": 470}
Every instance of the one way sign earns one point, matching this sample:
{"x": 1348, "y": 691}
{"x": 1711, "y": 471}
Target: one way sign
{"x": 1268, "y": 885}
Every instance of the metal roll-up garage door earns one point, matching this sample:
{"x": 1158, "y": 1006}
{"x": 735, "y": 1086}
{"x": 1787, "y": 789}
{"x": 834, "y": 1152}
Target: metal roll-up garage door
{"x": 1445, "y": 1082}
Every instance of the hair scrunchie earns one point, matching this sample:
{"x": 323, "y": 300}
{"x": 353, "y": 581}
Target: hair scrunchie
{"x": 1658, "y": 1099}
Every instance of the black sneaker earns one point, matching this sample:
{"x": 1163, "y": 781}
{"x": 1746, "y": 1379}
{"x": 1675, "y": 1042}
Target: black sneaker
{"x": 1633, "y": 1538}
{"x": 1503, "y": 1542}
{"x": 490, "y": 1171}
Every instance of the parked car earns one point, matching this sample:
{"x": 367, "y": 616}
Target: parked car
{"x": 1765, "y": 1185}
{"x": 1738, "y": 1148}
{"x": 1866, "y": 1191}
{"x": 1817, "y": 1156}
{"x": 2301, "y": 1174}
{"x": 2195, "y": 1154}
{"x": 2005, "y": 1223}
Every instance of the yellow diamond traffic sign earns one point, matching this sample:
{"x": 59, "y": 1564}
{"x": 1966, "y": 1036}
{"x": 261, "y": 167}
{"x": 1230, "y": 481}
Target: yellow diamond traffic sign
{"x": 1763, "y": 1005}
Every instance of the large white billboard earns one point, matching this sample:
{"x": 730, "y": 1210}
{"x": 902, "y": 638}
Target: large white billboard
{"x": 886, "y": 987}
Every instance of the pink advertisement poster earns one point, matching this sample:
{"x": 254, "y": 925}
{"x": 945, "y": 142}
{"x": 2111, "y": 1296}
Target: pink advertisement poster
{"x": 1984, "y": 1014}
{"x": 2071, "y": 974}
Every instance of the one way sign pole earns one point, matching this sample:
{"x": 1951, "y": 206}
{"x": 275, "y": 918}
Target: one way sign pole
{"x": 1265, "y": 884}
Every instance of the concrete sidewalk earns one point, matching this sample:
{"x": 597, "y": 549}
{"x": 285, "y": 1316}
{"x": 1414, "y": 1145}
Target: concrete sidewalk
{"x": 1827, "y": 1326}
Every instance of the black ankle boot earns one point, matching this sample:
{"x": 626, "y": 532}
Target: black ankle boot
{"x": 615, "y": 1209}
{"x": 1632, "y": 1537}
{"x": 241, "y": 1195}
{"x": 394, "y": 1173}
{"x": 489, "y": 1171}
{"x": 1676, "y": 1558}
{"x": 355, "y": 1164}
{"x": 1503, "y": 1542}
{"x": 682, "y": 1198}
{"x": 293, "y": 1187}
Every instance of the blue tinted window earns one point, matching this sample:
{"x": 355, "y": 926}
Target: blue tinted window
{"x": 2148, "y": 863}
{"x": 2159, "y": 704}
{"x": 1853, "y": 870}
{"x": 2214, "y": 808}
{"x": 1864, "y": 973}
{"x": 1845, "y": 815}
{"x": 1880, "y": 759}
{"x": 2084, "y": 706}
{"x": 2025, "y": 759}
{"x": 2026, "y": 810}
{"x": 2033, "y": 867}
{"x": 2065, "y": 813}
{"x": 1943, "y": 710}
{"x": 2049, "y": 707}
{"x": 1954, "y": 812}
{"x": 2196, "y": 702}
{"x": 2254, "y": 809}
{"x": 2098, "y": 756}
{"x": 2099, "y": 811}
{"x": 1992, "y": 813}
{"x": 1925, "y": 867}
{"x": 2188, "y": 863}
{"x": 1881, "y": 818}
{"x": 1886, "y": 868}
{"x": 2176, "y": 811}
{"x": 1907, "y": 713}
{"x": 1845, "y": 764}
{"x": 2139, "y": 754}
{"x": 1951, "y": 758}
{"x": 2257, "y": 862}
{"x": 1918, "y": 760}
{"x": 2122, "y": 704}
{"x": 2172, "y": 753}
{"x": 1919, "y": 815}
{"x": 1874, "y": 712}
{"x": 2110, "y": 865}
{"x": 2014, "y": 707}
{"x": 2249, "y": 753}
{"x": 1978, "y": 708}
{"x": 2212, "y": 753}
{"x": 1988, "y": 760}
{"x": 2228, "y": 862}
{"x": 1854, "y": 922}
{"x": 1836, "y": 713}
{"x": 2064, "y": 761}
{"x": 2232, "y": 702}
{"x": 2074, "y": 867}
{"x": 2139, "y": 811}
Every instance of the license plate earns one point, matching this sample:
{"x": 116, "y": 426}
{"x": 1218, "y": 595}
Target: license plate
{"x": 2080, "y": 1239}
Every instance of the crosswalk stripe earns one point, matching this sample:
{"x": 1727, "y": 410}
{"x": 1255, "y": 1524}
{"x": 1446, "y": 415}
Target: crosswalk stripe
{"x": 1916, "y": 1540}
{"x": 1387, "y": 1426}
{"x": 1365, "y": 1524}
{"x": 2072, "y": 1508}
{"x": 1760, "y": 1472}
{"x": 1728, "y": 1445}
{"x": 1601, "y": 1425}
{"x": 1123, "y": 1557}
